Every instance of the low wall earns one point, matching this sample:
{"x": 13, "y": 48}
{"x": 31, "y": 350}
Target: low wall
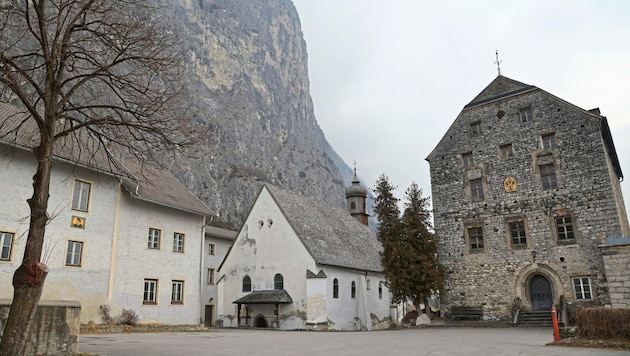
{"x": 55, "y": 330}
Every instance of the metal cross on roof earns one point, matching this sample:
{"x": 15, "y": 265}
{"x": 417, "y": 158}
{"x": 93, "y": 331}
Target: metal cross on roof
{"x": 497, "y": 61}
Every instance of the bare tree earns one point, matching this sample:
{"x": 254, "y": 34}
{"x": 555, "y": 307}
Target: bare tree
{"x": 104, "y": 70}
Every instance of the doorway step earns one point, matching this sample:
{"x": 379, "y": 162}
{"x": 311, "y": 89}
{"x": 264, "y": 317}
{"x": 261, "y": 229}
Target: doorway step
{"x": 534, "y": 318}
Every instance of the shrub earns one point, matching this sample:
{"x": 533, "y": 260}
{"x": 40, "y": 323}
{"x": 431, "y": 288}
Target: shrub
{"x": 106, "y": 311}
{"x": 604, "y": 323}
{"x": 128, "y": 317}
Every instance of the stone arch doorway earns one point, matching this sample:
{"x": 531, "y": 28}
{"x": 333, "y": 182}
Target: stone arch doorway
{"x": 260, "y": 321}
{"x": 540, "y": 294}
{"x": 546, "y": 282}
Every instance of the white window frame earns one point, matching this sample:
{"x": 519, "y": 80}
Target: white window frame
{"x": 178, "y": 242}
{"x": 177, "y": 292}
{"x": 212, "y": 249}
{"x": 74, "y": 253}
{"x": 6, "y": 245}
{"x": 81, "y": 197}
{"x": 150, "y": 291}
{"x": 210, "y": 278}
{"x": 153, "y": 240}
{"x": 580, "y": 288}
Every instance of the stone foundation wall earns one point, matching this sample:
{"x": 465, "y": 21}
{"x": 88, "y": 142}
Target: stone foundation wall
{"x": 55, "y": 330}
{"x": 617, "y": 262}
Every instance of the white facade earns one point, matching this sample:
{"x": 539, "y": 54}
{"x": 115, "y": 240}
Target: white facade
{"x": 105, "y": 259}
{"x": 267, "y": 246}
{"x": 217, "y": 244}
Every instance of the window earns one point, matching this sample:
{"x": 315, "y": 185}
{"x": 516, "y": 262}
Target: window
{"x": 6, "y": 245}
{"x": 367, "y": 285}
{"x": 548, "y": 176}
{"x": 564, "y": 228}
{"x": 81, "y": 195}
{"x": 210, "y": 275}
{"x": 506, "y": 151}
{"x": 526, "y": 115}
{"x": 476, "y": 189}
{"x": 475, "y": 129}
{"x": 178, "y": 242}
{"x": 582, "y": 287}
{"x": 548, "y": 140}
{"x": 517, "y": 233}
{"x": 353, "y": 205}
{"x": 150, "y": 291}
{"x": 475, "y": 238}
{"x": 335, "y": 288}
{"x": 247, "y": 284}
{"x": 211, "y": 249}
{"x": 278, "y": 281}
{"x": 177, "y": 292}
{"x": 73, "y": 253}
{"x": 353, "y": 290}
{"x": 380, "y": 290}
{"x": 154, "y": 239}
{"x": 468, "y": 159}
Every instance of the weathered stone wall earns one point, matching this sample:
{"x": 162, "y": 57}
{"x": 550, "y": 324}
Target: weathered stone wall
{"x": 55, "y": 330}
{"x": 500, "y": 272}
{"x": 617, "y": 262}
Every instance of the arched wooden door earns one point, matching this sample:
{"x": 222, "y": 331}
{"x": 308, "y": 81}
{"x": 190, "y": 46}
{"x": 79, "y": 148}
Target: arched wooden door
{"x": 540, "y": 293}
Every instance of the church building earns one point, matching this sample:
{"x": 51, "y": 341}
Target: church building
{"x": 298, "y": 263}
{"x": 526, "y": 193}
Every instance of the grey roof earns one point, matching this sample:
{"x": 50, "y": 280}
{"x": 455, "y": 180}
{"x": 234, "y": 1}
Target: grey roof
{"x": 330, "y": 234}
{"x": 152, "y": 184}
{"x": 278, "y": 296}
{"x": 221, "y": 233}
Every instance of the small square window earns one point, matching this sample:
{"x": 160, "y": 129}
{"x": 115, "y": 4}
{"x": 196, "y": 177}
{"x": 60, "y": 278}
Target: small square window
{"x": 582, "y": 287}
{"x": 153, "y": 242}
{"x": 564, "y": 229}
{"x": 81, "y": 195}
{"x": 506, "y": 151}
{"x": 177, "y": 292}
{"x": 6, "y": 245}
{"x": 475, "y": 238}
{"x": 526, "y": 115}
{"x": 178, "y": 242}
{"x": 517, "y": 233}
{"x": 468, "y": 159}
{"x": 476, "y": 189}
{"x": 210, "y": 277}
{"x": 211, "y": 249}
{"x": 548, "y": 140}
{"x": 548, "y": 176}
{"x": 475, "y": 129}
{"x": 73, "y": 253}
{"x": 150, "y": 291}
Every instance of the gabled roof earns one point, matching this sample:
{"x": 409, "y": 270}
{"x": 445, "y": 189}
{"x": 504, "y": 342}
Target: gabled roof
{"x": 155, "y": 185}
{"x": 330, "y": 234}
{"x": 278, "y": 296}
{"x": 147, "y": 183}
{"x": 501, "y": 87}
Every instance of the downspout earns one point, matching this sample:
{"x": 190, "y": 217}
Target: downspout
{"x": 201, "y": 269}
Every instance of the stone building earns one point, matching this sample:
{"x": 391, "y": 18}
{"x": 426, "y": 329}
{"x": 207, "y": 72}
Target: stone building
{"x": 525, "y": 187}
{"x": 298, "y": 263}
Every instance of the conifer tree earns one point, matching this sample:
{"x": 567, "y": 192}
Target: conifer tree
{"x": 425, "y": 276}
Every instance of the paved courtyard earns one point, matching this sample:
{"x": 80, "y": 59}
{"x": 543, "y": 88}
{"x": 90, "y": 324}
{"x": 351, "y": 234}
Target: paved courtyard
{"x": 422, "y": 341}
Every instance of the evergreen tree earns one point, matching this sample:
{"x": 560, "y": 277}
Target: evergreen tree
{"x": 424, "y": 277}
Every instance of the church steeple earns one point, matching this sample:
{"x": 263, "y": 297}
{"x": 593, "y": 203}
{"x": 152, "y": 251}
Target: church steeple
{"x": 356, "y": 196}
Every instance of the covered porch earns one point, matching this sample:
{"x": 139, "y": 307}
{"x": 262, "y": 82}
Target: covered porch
{"x": 262, "y": 297}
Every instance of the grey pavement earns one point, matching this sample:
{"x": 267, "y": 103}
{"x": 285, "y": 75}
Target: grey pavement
{"x": 420, "y": 341}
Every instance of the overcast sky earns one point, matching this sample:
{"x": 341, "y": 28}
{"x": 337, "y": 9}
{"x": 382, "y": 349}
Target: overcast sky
{"x": 388, "y": 78}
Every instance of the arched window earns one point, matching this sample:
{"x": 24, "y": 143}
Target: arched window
{"x": 335, "y": 288}
{"x": 278, "y": 281}
{"x": 353, "y": 290}
{"x": 380, "y": 290}
{"x": 247, "y": 284}
{"x": 368, "y": 285}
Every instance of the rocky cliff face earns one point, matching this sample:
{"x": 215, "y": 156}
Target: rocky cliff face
{"x": 248, "y": 68}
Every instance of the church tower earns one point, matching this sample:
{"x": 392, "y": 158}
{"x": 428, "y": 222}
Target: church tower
{"x": 356, "y": 196}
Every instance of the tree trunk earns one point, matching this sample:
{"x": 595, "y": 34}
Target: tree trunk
{"x": 28, "y": 280}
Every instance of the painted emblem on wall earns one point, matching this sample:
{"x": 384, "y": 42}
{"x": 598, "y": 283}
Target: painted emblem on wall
{"x": 509, "y": 184}
{"x": 78, "y": 222}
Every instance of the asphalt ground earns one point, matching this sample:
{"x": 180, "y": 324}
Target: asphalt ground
{"x": 417, "y": 341}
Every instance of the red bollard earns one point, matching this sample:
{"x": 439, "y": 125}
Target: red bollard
{"x": 554, "y": 319}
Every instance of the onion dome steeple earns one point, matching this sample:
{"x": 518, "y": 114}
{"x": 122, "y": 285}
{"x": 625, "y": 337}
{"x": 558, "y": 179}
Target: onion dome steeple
{"x": 356, "y": 196}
